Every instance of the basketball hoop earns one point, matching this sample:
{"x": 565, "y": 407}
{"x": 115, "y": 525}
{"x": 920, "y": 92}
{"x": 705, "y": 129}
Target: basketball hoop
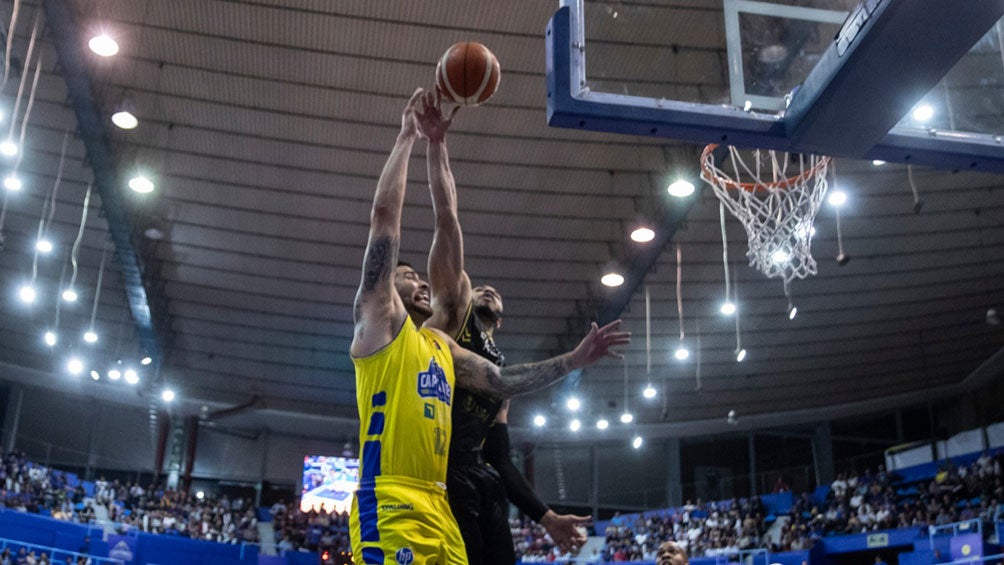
{"x": 776, "y": 196}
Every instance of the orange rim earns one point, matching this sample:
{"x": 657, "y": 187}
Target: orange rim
{"x": 755, "y": 186}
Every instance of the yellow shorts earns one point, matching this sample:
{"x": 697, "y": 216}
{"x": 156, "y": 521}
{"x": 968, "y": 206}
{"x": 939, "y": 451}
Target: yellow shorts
{"x": 404, "y": 521}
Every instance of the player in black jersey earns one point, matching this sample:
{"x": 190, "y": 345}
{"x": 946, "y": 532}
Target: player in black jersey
{"x": 480, "y": 474}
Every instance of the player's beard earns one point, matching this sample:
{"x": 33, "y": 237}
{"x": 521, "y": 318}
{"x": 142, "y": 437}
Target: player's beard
{"x": 487, "y": 316}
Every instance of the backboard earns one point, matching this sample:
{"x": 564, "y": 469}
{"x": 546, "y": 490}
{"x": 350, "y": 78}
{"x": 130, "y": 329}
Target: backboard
{"x": 833, "y": 77}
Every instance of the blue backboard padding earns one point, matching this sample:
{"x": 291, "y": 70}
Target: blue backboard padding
{"x": 859, "y": 542}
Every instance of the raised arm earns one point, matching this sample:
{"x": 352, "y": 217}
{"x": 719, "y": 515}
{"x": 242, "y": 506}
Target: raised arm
{"x": 473, "y": 372}
{"x": 378, "y": 310}
{"x": 451, "y": 288}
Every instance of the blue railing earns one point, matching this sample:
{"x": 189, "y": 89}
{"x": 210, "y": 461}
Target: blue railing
{"x": 974, "y": 526}
{"x": 56, "y": 553}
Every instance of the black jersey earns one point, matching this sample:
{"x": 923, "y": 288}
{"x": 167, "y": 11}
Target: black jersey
{"x": 473, "y": 414}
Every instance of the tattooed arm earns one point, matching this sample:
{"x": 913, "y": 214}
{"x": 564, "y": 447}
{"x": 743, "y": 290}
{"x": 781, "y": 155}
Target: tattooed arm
{"x": 473, "y": 372}
{"x": 378, "y": 310}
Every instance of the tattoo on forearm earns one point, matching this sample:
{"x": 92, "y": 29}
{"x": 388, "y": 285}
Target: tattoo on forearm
{"x": 520, "y": 379}
{"x": 377, "y": 265}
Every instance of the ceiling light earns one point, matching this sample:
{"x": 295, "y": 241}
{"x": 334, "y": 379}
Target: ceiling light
{"x": 612, "y": 279}
{"x": 75, "y": 366}
{"x": 539, "y": 420}
{"x": 681, "y": 353}
{"x": 837, "y": 198}
{"x": 627, "y": 418}
{"x": 131, "y": 376}
{"x": 573, "y": 404}
{"x": 727, "y": 308}
{"x": 114, "y": 374}
{"x": 740, "y": 355}
{"x": 636, "y": 442}
{"x": 146, "y": 361}
{"x": 125, "y": 119}
{"x": 27, "y": 293}
{"x": 792, "y": 311}
{"x": 141, "y": 184}
{"x": 50, "y": 338}
{"x": 167, "y": 395}
{"x": 200, "y": 495}
{"x": 12, "y": 183}
{"x": 642, "y": 235}
{"x": 70, "y": 295}
{"x": 43, "y": 246}
{"x": 780, "y": 256}
{"x": 602, "y": 424}
{"x": 8, "y": 148}
{"x": 154, "y": 234}
{"x": 103, "y": 45}
{"x": 649, "y": 392}
{"x": 923, "y": 112}
{"x": 878, "y": 162}
{"x": 90, "y": 336}
{"x": 574, "y": 425}
{"x": 681, "y": 188}
{"x": 95, "y": 375}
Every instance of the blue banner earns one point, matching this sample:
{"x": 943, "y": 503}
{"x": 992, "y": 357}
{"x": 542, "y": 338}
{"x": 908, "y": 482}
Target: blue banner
{"x": 967, "y": 546}
{"x": 122, "y": 547}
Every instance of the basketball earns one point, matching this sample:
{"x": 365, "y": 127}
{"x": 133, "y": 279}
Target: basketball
{"x": 468, "y": 73}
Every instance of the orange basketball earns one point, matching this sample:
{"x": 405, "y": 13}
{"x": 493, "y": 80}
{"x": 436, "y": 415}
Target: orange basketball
{"x": 468, "y": 73}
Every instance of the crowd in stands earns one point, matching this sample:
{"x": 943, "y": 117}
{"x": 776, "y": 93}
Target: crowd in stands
{"x": 533, "y": 544}
{"x": 315, "y": 530}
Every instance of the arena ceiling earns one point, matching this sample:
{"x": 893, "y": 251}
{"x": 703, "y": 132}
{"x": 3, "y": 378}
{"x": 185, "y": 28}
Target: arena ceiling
{"x": 264, "y": 125}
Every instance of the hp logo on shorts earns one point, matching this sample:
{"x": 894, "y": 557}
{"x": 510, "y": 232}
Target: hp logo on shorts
{"x": 404, "y": 556}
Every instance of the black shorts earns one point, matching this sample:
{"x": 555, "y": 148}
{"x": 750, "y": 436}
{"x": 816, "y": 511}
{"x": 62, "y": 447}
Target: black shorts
{"x": 479, "y": 504}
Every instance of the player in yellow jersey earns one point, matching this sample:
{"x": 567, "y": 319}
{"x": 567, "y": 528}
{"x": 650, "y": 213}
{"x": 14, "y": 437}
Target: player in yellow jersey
{"x": 405, "y": 376}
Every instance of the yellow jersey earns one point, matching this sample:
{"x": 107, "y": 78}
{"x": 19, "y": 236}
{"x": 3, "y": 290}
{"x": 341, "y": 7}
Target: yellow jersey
{"x": 405, "y": 393}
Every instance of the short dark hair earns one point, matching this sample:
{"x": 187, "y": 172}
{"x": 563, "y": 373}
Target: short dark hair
{"x": 405, "y": 264}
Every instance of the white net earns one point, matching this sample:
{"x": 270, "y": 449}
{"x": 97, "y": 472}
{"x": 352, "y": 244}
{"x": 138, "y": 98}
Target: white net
{"x": 776, "y": 196}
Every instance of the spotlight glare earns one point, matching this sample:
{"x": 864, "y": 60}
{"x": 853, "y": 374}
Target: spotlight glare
{"x": 200, "y": 495}
{"x": 574, "y": 425}
{"x": 130, "y": 376}
{"x": 70, "y": 295}
{"x": 636, "y": 442}
{"x": 90, "y": 336}
{"x": 573, "y": 404}
{"x": 612, "y": 279}
{"x": 740, "y": 355}
{"x": 75, "y": 366}
{"x": 141, "y": 184}
{"x": 114, "y": 374}
{"x": 602, "y": 424}
{"x": 8, "y": 148}
{"x": 627, "y": 418}
{"x": 12, "y": 183}
{"x": 146, "y": 361}
{"x": 642, "y": 235}
{"x": 95, "y": 375}
{"x": 837, "y": 198}
{"x": 103, "y": 45}
{"x": 681, "y": 188}
{"x": 923, "y": 112}
{"x": 682, "y": 353}
{"x": 728, "y": 308}
{"x": 43, "y": 246}
{"x": 27, "y": 294}
{"x": 780, "y": 256}
{"x": 125, "y": 119}
{"x": 167, "y": 395}
{"x": 50, "y": 338}
{"x": 649, "y": 392}
{"x": 878, "y": 162}
{"x": 539, "y": 420}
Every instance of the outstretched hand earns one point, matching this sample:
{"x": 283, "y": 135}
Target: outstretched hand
{"x": 598, "y": 343}
{"x": 564, "y": 529}
{"x": 432, "y": 124}
{"x": 409, "y": 123}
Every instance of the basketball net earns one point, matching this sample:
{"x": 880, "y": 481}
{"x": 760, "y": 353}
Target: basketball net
{"x": 776, "y": 196}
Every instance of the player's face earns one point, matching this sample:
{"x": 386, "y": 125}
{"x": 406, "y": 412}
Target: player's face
{"x": 670, "y": 554}
{"x": 414, "y": 292}
{"x": 485, "y": 296}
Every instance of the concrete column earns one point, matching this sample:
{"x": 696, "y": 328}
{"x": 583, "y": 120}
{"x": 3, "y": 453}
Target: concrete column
{"x": 674, "y": 473}
{"x": 752, "y": 456}
{"x": 13, "y": 415}
{"x": 594, "y": 492}
{"x": 263, "y": 469}
{"x": 92, "y": 440}
{"x": 822, "y": 453}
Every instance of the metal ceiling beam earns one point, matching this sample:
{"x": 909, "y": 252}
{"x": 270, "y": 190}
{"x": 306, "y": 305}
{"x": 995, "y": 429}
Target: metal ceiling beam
{"x": 67, "y": 38}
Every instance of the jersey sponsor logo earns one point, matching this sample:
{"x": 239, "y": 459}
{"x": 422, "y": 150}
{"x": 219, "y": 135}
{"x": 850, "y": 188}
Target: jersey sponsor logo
{"x": 396, "y": 507}
{"x": 430, "y": 411}
{"x": 404, "y": 556}
{"x": 432, "y": 383}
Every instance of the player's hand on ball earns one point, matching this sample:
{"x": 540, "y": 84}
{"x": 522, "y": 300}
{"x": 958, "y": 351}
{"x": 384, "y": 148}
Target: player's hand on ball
{"x": 432, "y": 124}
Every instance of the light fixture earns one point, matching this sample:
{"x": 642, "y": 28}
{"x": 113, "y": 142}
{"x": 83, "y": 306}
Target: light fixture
{"x": 573, "y": 403}
{"x": 681, "y": 188}
{"x": 50, "y": 338}
{"x": 141, "y": 184}
{"x": 878, "y": 162}
{"x": 146, "y": 361}
{"x": 8, "y": 148}
{"x": 200, "y": 495}
{"x": 727, "y": 308}
{"x": 923, "y": 113}
{"x": 792, "y": 311}
{"x": 780, "y": 256}
{"x": 642, "y": 235}
{"x": 612, "y": 279}
{"x": 124, "y": 119}
{"x": 627, "y": 418}
{"x": 95, "y": 375}
{"x": 27, "y": 294}
{"x": 90, "y": 336}
{"x": 574, "y": 425}
{"x": 636, "y": 442}
{"x": 131, "y": 377}
{"x": 837, "y": 198}
{"x": 649, "y": 392}
{"x": 103, "y": 45}
{"x": 682, "y": 353}
{"x": 740, "y": 355}
{"x": 167, "y": 395}
{"x": 75, "y": 366}
{"x": 70, "y": 295}
{"x": 114, "y": 374}
{"x": 43, "y": 246}
{"x": 602, "y": 424}
{"x": 12, "y": 183}
{"x": 539, "y": 420}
